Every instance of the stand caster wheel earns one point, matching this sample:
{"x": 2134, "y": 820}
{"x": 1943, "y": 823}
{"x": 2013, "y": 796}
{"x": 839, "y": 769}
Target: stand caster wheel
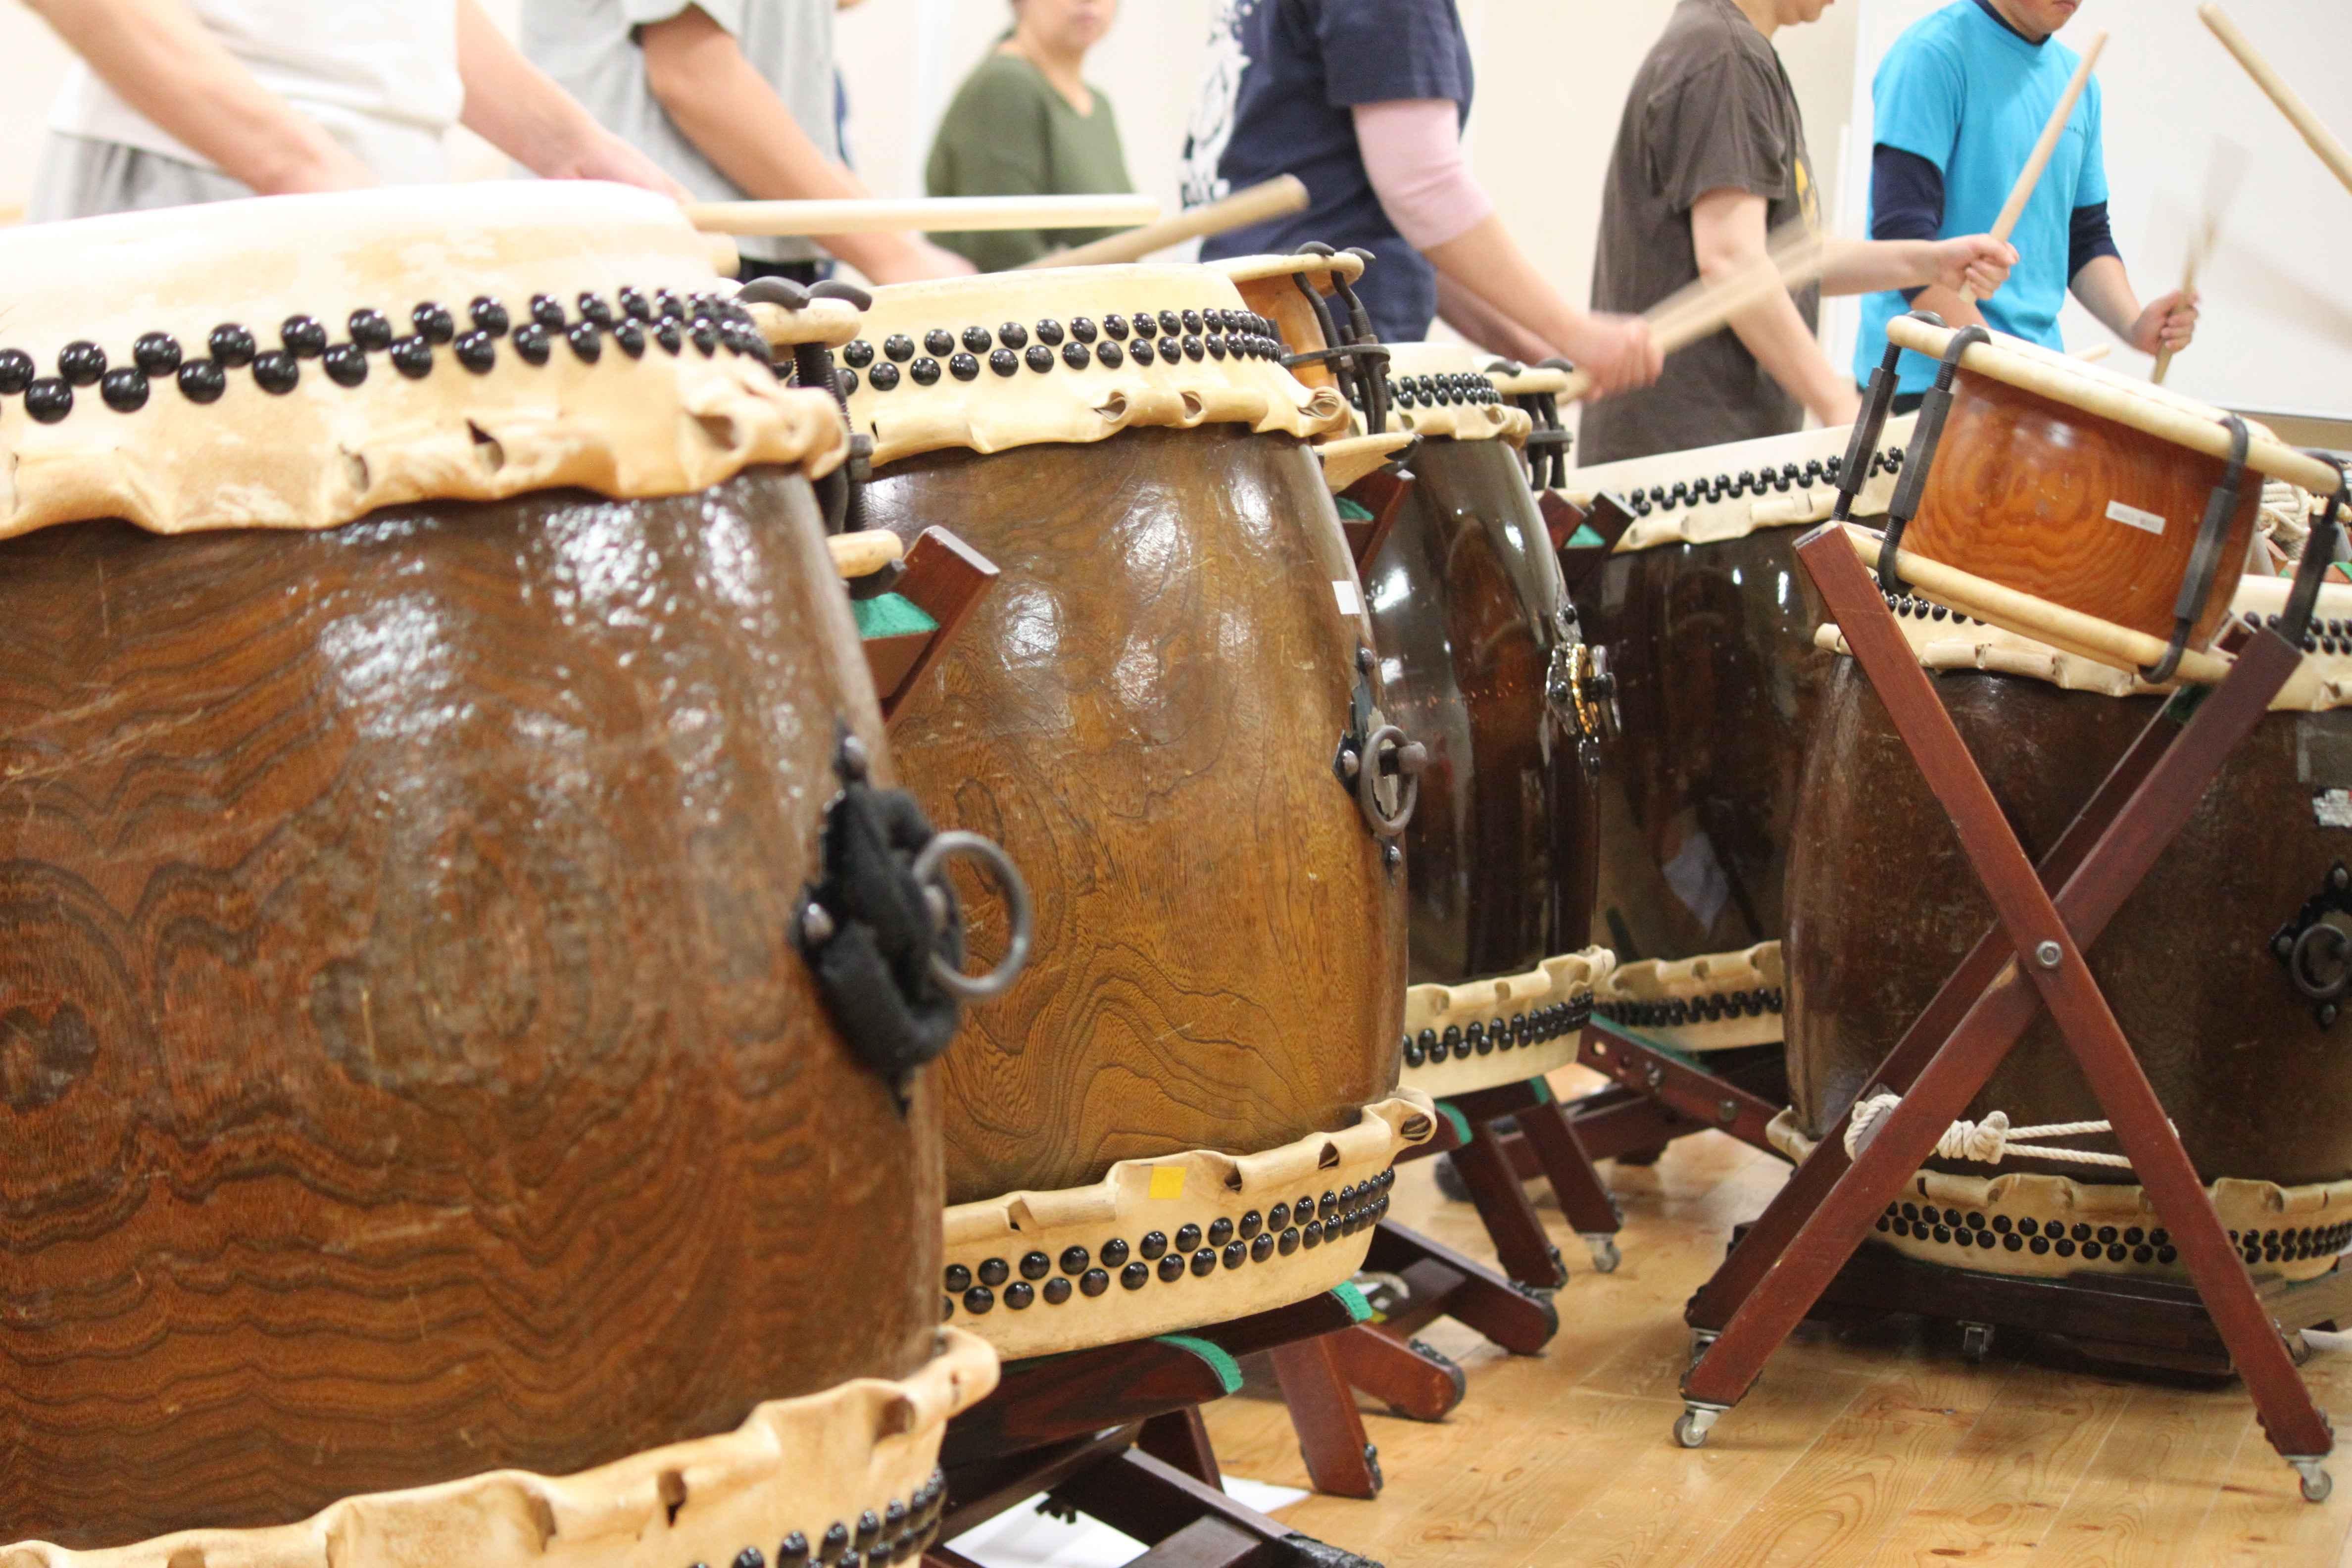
{"x": 2316, "y": 1482}
{"x": 1692, "y": 1425}
{"x": 1700, "y": 1340}
{"x": 1605, "y": 1255}
{"x": 1975, "y": 1342}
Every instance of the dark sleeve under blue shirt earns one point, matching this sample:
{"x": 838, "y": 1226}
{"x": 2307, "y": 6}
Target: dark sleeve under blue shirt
{"x": 1906, "y": 202}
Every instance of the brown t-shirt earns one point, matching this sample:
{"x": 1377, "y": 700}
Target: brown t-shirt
{"x": 1711, "y": 108}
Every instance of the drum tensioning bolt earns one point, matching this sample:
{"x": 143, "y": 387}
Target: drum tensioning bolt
{"x": 816, "y": 925}
{"x": 1727, "y": 1110}
{"x": 2047, "y": 954}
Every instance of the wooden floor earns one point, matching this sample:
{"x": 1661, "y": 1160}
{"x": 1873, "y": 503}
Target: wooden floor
{"x": 1876, "y": 1448}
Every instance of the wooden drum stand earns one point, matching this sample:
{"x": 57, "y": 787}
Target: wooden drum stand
{"x": 1780, "y": 1269}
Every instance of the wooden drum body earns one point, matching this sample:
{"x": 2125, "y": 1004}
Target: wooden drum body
{"x": 1883, "y": 905}
{"x": 1145, "y": 710}
{"x": 1480, "y": 652}
{"x": 410, "y": 1071}
{"x": 1707, "y": 624}
{"x": 2089, "y": 490}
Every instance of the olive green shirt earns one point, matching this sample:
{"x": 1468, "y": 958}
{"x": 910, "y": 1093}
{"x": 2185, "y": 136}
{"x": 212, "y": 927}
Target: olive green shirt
{"x": 1008, "y": 133}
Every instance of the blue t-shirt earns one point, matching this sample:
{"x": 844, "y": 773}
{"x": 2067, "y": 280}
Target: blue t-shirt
{"x": 1968, "y": 95}
{"x": 1283, "y": 78}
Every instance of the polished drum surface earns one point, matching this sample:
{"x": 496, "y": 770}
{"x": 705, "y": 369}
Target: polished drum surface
{"x": 406, "y": 1068}
{"x": 1882, "y": 907}
{"x": 1144, "y": 712}
{"x": 1466, "y": 605}
{"x": 1717, "y": 681}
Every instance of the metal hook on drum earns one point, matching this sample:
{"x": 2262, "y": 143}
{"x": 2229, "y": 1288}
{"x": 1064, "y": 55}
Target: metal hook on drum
{"x": 1019, "y": 912}
{"x": 1390, "y": 754}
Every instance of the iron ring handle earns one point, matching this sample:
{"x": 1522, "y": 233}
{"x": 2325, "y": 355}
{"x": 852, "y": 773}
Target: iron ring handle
{"x": 1021, "y": 916}
{"x": 2302, "y": 967}
{"x": 1367, "y": 783}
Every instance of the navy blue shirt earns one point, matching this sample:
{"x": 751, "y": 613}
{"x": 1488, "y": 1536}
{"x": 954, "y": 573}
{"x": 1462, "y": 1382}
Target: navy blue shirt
{"x": 1283, "y": 78}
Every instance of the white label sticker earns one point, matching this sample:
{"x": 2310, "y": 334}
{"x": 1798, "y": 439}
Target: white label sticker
{"x": 2134, "y": 517}
{"x": 1351, "y": 603}
{"x": 2332, "y": 808}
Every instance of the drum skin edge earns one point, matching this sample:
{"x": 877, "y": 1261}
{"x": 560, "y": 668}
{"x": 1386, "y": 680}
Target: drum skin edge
{"x": 1102, "y": 1265}
{"x": 864, "y": 1448}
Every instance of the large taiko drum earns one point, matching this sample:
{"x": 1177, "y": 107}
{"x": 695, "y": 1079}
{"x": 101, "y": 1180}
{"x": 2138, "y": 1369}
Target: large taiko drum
{"x": 2226, "y": 967}
{"x": 1186, "y": 1109}
{"x": 1704, "y": 621}
{"x": 1483, "y": 664}
{"x": 2120, "y": 511}
{"x": 424, "y": 695}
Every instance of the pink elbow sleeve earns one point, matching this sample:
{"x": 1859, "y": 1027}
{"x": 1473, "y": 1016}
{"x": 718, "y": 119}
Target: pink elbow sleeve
{"x": 1412, "y": 151}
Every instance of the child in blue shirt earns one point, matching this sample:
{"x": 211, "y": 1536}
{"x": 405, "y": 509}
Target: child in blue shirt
{"x": 1960, "y": 101}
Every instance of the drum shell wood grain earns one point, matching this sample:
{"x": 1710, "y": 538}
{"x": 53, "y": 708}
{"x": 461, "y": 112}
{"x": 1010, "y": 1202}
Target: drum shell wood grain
{"x": 1882, "y": 907}
{"x": 1465, "y": 600}
{"x": 405, "y": 1067}
{"x": 1144, "y": 712}
{"x": 2020, "y": 492}
{"x": 1717, "y": 682}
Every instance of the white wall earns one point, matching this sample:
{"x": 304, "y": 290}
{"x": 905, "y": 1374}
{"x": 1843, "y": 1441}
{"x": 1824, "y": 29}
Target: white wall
{"x": 2276, "y": 336}
{"x": 1552, "y": 80}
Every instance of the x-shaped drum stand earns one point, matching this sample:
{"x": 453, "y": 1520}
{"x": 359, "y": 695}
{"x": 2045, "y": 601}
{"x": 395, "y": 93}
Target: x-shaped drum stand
{"x": 2033, "y": 958}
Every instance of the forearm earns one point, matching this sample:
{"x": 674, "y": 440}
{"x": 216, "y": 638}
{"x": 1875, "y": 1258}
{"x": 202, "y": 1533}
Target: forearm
{"x": 512, "y": 104}
{"x": 2104, "y": 288}
{"x": 734, "y": 119}
{"x": 161, "y": 61}
{"x": 1478, "y": 319}
{"x": 1870, "y": 266}
{"x": 1773, "y": 332}
{"x": 1487, "y": 263}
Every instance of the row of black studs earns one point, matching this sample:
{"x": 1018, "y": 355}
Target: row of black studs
{"x": 706, "y": 321}
{"x": 1216, "y": 333}
{"x": 2115, "y": 1244}
{"x": 1909, "y": 608}
{"x": 1252, "y": 1238}
{"x": 1431, "y": 391}
{"x": 1529, "y": 1029}
{"x": 1682, "y": 1010}
{"x": 1788, "y": 477}
{"x": 899, "y": 1533}
{"x": 2319, "y": 635}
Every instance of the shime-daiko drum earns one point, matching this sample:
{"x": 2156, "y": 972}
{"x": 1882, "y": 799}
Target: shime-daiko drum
{"x": 1187, "y": 1108}
{"x": 2226, "y": 968}
{"x": 1707, "y": 629}
{"x": 1482, "y": 663}
{"x": 424, "y": 695}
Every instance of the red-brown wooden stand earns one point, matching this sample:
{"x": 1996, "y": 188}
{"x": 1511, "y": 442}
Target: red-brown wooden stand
{"x": 1785, "y": 1264}
{"x": 1114, "y": 1433}
{"x": 1320, "y": 1379}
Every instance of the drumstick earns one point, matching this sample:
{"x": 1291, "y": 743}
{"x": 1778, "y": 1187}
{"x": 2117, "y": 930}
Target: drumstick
{"x": 2222, "y": 175}
{"x": 1683, "y": 318}
{"x": 2092, "y": 353}
{"x": 2023, "y": 191}
{"x": 2322, "y": 140}
{"x": 1284, "y": 194}
{"x": 942, "y": 215}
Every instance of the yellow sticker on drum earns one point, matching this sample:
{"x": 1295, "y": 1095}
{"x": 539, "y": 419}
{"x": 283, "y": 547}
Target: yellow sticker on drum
{"x": 1167, "y": 1182}
{"x": 2133, "y": 517}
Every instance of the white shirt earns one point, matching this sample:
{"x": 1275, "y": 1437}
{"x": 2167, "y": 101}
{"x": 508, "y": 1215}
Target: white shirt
{"x": 380, "y": 76}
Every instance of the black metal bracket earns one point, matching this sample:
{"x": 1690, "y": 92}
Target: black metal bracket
{"x": 2206, "y": 559}
{"x": 1927, "y": 435}
{"x": 840, "y": 494}
{"x": 1377, "y": 766}
{"x": 1352, "y": 351}
{"x": 2317, "y": 956}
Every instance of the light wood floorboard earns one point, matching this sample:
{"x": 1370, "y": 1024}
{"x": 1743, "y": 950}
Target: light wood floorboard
{"x": 1876, "y": 1446}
